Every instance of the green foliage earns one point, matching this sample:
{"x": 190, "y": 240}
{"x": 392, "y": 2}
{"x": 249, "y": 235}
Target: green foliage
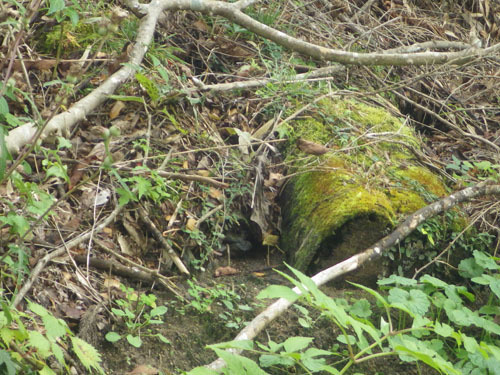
{"x": 203, "y": 298}
{"x": 469, "y": 171}
{"x": 61, "y": 10}
{"x": 421, "y": 321}
{"x": 137, "y": 312}
{"x": 40, "y": 338}
{"x": 52, "y": 163}
{"x": 430, "y": 238}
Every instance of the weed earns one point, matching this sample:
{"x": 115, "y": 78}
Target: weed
{"x": 137, "y": 312}
{"x": 467, "y": 171}
{"x": 34, "y": 340}
{"x": 435, "y": 325}
{"x": 203, "y": 298}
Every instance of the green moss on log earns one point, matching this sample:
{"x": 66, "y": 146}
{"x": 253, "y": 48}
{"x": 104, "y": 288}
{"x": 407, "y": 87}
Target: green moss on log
{"x": 370, "y": 176}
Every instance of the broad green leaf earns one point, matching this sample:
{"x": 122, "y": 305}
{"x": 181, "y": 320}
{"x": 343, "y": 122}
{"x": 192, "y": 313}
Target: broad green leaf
{"x": 118, "y": 312}
{"x": 55, "y": 327}
{"x": 361, "y": 308}
{"x": 469, "y": 268}
{"x": 311, "y": 362}
{"x": 63, "y": 143}
{"x": 268, "y": 360}
{"x": 18, "y": 223}
{"x": 40, "y": 343}
{"x": 434, "y": 362}
{"x": 495, "y": 286}
{"x": 57, "y": 352}
{"x": 134, "y": 340}
{"x": 485, "y": 260}
{"x": 112, "y": 336}
{"x": 4, "y": 106}
{"x": 236, "y": 364}
{"x": 470, "y": 344}
{"x": 278, "y": 291}
{"x": 163, "y": 338}
{"x": 87, "y": 354}
{"x": 428, "y": 279}
{"x": 236, "y": 344}
{"x": 46, "y": 371}
{"x": 72, "y": 14}
{"x": 160, "y": 310}
{"x": 5, "y": 315}
{"x": 38, "y": 309}
{"x": 202, "y": 370}
{"x": 55, "y": 6}
{"x": 350, "y": 339}
{"x": 7, "y": 363}
{"x": 398, "y": 280}
{"x": 415, "y": 300}
{"x": 296, "y": 343}
{"x": 443, "y": 329}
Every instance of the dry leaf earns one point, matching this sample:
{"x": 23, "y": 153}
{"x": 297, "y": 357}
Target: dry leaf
{"x": 225, "y": 271}
{"x": 215, "y": 193}
{"x": 258, "y": 274}
{"x": 116, "y": 109}
{"x": 203, "y": 173}
{"x": 143, "y": 370}
{"x": 201, "y": 25}
{"x": 112, "y": 283}
{"x": 191, "y": 224}
{"x": 71, "y": 312}
{"x": 270, "y": 239}
{"x": 311, "y": 148}
{"x": 108, "y": 231}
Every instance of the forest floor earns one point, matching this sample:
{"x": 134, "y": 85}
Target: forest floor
{"x": 203, "y": 170}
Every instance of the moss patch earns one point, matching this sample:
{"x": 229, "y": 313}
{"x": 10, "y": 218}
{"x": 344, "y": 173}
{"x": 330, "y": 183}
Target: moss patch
{"x": 368, "y": 180}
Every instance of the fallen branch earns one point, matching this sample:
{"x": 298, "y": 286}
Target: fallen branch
{"x": 153, "y": 275}
{"x": 64, "y": 122}
{"x": 60, "y": 251}
{"x": 129, "y": 272}
{"x": 354, "y": 262}
{"x": 144, "y": 216}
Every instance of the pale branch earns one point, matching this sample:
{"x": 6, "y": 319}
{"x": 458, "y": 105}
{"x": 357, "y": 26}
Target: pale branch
{"x": 64, "y": 122}
{"x": 234, "y": 14}
{"x": 155, "y": 275}
{"x": 252, "y": 83}
{"x": 61, "y": 250}
{"x": 433, "y": 44}
{"x": 354, "y": 262}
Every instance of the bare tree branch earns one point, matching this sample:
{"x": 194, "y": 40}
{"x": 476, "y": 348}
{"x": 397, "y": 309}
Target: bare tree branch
{"x": 63, "y": 122}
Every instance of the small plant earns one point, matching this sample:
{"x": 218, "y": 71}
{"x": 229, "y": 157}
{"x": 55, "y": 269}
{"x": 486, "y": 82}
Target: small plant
{"x": 425, "y": 321}
{"x": 467, "y": 171}
{"x": 30, "y": 342}
{"x": 137, "y": 312}
{"x": 204, "y": 298}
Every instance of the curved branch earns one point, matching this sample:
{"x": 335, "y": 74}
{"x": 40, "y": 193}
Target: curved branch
{"x": 234, "y": 14}
{"x": 63, "y": 123}
{"x": 354, "y": 262}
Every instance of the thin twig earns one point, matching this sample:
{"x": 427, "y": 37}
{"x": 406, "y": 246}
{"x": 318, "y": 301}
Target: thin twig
{"x": 58, "y": 252}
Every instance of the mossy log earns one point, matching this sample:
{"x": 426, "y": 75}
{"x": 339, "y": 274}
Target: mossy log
{"x": 345, "y": 200}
